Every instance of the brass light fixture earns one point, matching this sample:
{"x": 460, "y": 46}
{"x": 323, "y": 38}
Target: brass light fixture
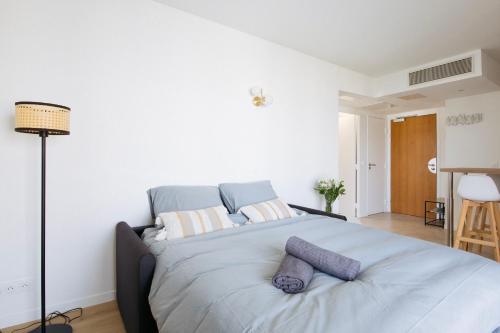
{"x": 258, "y": 97}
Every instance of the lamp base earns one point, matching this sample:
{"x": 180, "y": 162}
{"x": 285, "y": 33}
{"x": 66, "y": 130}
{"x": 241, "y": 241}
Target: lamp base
{"x": 55, "y": 328}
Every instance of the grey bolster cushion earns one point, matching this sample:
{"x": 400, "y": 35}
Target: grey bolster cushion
{"x": 324, "y": 260}
{"x": 293, "y": 275}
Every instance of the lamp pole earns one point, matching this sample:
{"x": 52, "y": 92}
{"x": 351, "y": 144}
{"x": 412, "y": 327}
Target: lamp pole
{"x": 43, "y": 135}
{"x": 44, "y": 119}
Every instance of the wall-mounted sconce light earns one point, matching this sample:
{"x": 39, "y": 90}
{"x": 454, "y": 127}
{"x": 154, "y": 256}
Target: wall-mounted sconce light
{"x": 258, "y": 97}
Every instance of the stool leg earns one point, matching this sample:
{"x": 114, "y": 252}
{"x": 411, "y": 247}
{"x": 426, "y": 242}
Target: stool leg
{"x": 494, "y": 228}
{"x": 497, "y": 206}
{"x": 482, "y": 223}
{"x": 469, "y": 227}
{"x": 461, "y": 223}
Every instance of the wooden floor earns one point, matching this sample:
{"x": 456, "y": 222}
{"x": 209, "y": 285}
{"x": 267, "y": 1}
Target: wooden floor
{"x": 105, "y": 318}
{"x": 405, "y": 225}
{"x": 102, "y": 318}
{"x": 414, "y": 227}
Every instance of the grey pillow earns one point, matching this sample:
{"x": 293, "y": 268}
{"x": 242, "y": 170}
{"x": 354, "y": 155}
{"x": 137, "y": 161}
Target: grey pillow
{"x": 237, "y": 195}
{"x": 238, "y": 218}
{"x": 176, "y": 198}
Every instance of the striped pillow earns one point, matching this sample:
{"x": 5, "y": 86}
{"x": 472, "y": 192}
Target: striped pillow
{"x": 275, "y": 209}
{"x": 192, "y": 222}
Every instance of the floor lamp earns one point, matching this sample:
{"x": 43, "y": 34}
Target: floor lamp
{"x": 43, "y": 119}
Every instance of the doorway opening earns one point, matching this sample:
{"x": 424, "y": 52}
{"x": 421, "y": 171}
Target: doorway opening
{"x": 397, "y": 147}
{"x": 362, "y": 158}
{"x": 387, "y": 158}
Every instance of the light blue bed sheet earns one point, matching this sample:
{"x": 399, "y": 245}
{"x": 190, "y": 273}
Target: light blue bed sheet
{"x": 221, "y": 282}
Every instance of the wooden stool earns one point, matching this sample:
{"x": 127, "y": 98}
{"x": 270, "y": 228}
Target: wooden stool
{"x": 481, "y": 196}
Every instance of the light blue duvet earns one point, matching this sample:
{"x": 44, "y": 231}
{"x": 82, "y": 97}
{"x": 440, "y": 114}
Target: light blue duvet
{"x": 221, "y": 282}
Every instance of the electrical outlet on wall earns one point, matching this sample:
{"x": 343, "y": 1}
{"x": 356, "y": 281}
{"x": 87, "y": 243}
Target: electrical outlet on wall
{"x": 16, "y": 287}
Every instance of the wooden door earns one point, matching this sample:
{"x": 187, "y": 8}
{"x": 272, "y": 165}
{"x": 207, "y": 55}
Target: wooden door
{"x": 413, "y": 144}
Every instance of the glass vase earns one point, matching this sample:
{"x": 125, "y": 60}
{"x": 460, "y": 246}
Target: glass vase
{"x": 328, "y": 207}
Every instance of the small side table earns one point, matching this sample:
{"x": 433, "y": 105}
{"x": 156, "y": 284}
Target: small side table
{"x": 437, "y": 210}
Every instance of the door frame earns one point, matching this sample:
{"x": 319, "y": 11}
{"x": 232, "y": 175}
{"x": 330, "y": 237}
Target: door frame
{"x": 356, "y": 159}
{"x": 439, "y": 156}
{"x": 362, "y": 158}
{"x": 366, "y": 167}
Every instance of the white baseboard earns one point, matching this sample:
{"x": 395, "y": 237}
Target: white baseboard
{"x": 34, "y": 313}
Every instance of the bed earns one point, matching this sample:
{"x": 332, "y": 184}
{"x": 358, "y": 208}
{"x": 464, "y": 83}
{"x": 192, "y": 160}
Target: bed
{"x": 221, "y": 282}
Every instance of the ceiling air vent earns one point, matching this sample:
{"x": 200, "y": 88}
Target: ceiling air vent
{"x": 453, "y": 68}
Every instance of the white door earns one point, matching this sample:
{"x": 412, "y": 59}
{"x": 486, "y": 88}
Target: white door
{"x": 376, "y": 166}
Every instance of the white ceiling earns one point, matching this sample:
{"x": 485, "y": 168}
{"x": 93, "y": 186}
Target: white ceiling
{"x": 417, "y": 99}
{"x": 374, "y": 37}
{"x": 387, "y": 104}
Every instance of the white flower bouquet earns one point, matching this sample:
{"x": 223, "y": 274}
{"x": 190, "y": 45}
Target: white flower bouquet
{"x": 331, "y": 190}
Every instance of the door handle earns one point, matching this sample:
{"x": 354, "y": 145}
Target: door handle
{"x": 370, "y": 165}
{"x": 431, "y": 165}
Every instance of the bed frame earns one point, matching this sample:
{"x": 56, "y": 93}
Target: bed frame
{"x": 135, "y": 266}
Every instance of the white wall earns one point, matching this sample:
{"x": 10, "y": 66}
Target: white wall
{"x": 158, "y": 97}
{"x": 476, "y": 145}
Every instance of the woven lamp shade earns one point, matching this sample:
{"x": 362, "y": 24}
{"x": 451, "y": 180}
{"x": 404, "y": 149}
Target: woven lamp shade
{"x": 36, "y": 118}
